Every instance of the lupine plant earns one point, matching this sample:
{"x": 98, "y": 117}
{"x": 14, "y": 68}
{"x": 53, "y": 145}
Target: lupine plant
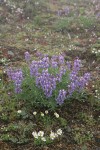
{"x": 48, "y": 81}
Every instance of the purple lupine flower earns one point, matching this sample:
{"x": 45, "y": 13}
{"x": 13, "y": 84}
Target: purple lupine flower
{"x": 73, "y": 76}
{"x": 45, "y": 62}
{"x": 71, "y": 88}
{"x": 34, "y": 68}
{"x": 61, "y": 97}
{"x": 86, "y": 76}
{"x": 9, "y": 73}
{"x": 17, "y": 77}
{"x": 55, "y": 57}
{"x": 68, "y": 65}
{"x": 58, "y": 77}
{"x": 39, "y": 54}
{"x": 62, "y": 70}
{"x": 77, "y": 83}
{"x": 66, "y": 10}
{"x": 84, "y": 80}
{"x": 54, "y": 62}
{"x": 77, "y": 65}
{"x": 47, "y": 82}
{"x": 27, "y": 56}
{"x": 61, "y": 60}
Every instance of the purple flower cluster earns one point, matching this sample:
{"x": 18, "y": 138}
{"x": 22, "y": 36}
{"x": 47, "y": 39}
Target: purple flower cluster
{"x": 61, "y": 60}
{"x": 17, "y": 77}
{"x": 44, "y": 63}
{"x": 77, "y": 65}
{"x": 64, "y": 11}
{"x": 39, "y": 69}
{"x": 27, "y": 57}
{"x": 67, "y": 10}
{"x": 47, "y": 82}
{"x": 34, "y": 66}
{"x": 54, "y": 62}
{"x": 68, "y": 65}
{"x": 84, "y": 80}
{"x": 61, "y": 97}
{"x": 77, "y": 82}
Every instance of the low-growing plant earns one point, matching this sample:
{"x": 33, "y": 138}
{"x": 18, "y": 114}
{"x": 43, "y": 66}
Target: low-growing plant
{"x": 86, "y": 22}
{"x": 49, "y": 126}
{"x": 87, "y": 119}
{"x": 38, "y": 21}
{"x": 81, "y": 136}
{"x": 63, "y": 24}
{"x": 48, "y": 82}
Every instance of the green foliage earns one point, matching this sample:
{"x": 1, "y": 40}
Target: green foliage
{"x": 86, "y": 22}
{"x": 38, "y": 21}
{"x": 70, "y": 23}
{"x": 88, "y": 119}
{"x": 63, "y": 122}
{"x": 39, "y": 142}
{"x": 81, "y": 136}
{"x": 63, "y": 24}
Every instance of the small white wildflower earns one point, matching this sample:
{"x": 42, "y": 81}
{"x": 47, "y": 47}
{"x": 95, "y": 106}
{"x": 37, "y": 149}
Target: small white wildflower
{"x": 42, "y": 114}
{"x": 96, "y": 91}
{"x": 26, "y": 39}
{"x": 35, "y": 134}
{"x": 56, "y": 115}
{"x": 43, "y": 139}
{"x": 19, "y": 111}
{"x": 36, "y": 3}
{"x": 56, "y": 135}
{"x": 41, "y": 133}
{"x": 34, "y": 113}
{"x": 46, "y": 112}
{"x": 59, "y": 132}
{"x": 52, "y": 135}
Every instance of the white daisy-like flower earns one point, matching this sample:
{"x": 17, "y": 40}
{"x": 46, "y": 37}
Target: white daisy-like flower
{"x": 41, "y": 133}
{"x": 42, "y": 114}
{"x": 43, "y": 139}
{"x": 52, "y": 135}
{"x": 46, "y": 112}
{"x": 56, "y": 135}
{"x": 19, "y": 111}
{"x": 35, "y": 134}
{"x": 59, "y": 132}
{"x": 34, "y": 113}
{"x": 56, "y": 115}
